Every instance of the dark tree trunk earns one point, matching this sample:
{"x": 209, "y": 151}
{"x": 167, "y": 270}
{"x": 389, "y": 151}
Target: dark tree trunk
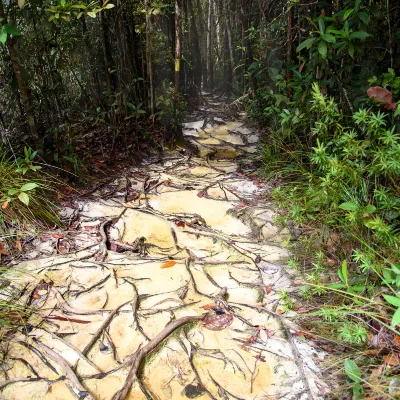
{"x": 23, "y": 89}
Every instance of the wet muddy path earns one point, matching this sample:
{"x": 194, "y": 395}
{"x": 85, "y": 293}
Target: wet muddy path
{"x": 169, "y": 287}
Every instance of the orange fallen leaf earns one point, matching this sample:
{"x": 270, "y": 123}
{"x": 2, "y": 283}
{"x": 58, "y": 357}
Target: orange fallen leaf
{"x": 18, "y": 244}
{"x": 57, "y": 235}
{"x": 168, "y": 264}
{"x": 397, "y": 340}
{"x": 268, "y": 289}
{"x": 279, "y": 312}
{"x": 209, "y": 306}
{"x": 392, "y": 359}
{"x": 4, "y": 205}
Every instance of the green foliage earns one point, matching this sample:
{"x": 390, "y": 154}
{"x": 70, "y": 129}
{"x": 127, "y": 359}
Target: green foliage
{"x": 23, "y": 194}
{"x": 354, "y": 374}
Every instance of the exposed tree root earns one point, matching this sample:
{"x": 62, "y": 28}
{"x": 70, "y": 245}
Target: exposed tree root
{"x": 137, "y": 358}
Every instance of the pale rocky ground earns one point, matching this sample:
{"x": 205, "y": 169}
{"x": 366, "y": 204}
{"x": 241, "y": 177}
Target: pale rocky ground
{"x": 100, "y": 301}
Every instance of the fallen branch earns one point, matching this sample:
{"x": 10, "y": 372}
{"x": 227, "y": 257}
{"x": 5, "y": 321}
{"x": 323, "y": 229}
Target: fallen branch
{"x": 137, "y": 358}
{"x": 103, "y": 326}
{"x": 78, "y": 389}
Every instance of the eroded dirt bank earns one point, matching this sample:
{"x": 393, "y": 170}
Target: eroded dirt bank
{"x": 173, "y": 291}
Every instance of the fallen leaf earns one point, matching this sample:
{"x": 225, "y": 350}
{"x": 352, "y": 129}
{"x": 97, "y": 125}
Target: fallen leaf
{"x": 216, "y": 322}
{"x": 209, "y": 306}
{"x": 384, "y": 96}
{"x": 57, "y": 235}
{"x": 258, "y": 259}
{"x": 279, "y": 312}
{"x": 58, "y": 318}
{"x": 3, "y": 251}
{"x": 168, "y": 264}
{"x": 180, "y": 224}
{"x": 260, "y": 358}
{"x": 397, "y": 340}
{"x": 201, "y": 194}
{"x": 392, "y": 359}
{"x": 4, "y": 205}
{"x": 18, "y": 244}
{"x": 268, "y": 289}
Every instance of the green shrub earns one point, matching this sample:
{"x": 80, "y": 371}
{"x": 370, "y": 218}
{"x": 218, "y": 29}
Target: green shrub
{"x": 24, "y": 194}
{"x": 342, "y": 177}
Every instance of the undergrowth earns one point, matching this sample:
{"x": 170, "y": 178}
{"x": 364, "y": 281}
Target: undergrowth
{"x": 341, "y": 191}
{"x": 25, "y": 207}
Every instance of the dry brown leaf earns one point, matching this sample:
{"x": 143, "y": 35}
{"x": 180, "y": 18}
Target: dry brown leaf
{"x": 397, "y": 340}
{"x": 209, "y": 306}
{"x": 57, "y": 235}
{"x": 18, "y": 244}
{"x": 268, "y": 289}
{"x": 4, "y": 205}
{"x": 392, "y": 359}
{"x": 216, "y": 322}
{"x": 168, "y": 264}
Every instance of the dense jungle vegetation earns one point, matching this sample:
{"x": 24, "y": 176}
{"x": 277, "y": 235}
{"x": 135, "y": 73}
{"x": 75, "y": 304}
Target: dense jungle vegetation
{"x": 90, "y": 84}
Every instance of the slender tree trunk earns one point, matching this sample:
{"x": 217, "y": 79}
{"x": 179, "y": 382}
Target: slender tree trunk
{"x": 198, "y": 68}
{"x": 229, "y": 30}
{"x": 203, "y": 36}
{"x": 289, "y": 49}
{"x": 149, "y": 57}
{"x": 108, "y": 61}
{"x": 23, "y": 89}
{"x": 210, "y": 46}
{"x": 178, "y": 34}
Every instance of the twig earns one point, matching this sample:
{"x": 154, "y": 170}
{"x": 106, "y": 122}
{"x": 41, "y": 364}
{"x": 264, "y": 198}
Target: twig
{"x": 103, "y": 326}
{"x": 137, "y": 358}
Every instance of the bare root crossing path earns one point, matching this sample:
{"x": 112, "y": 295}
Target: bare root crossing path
{"x": 170, "y": 287}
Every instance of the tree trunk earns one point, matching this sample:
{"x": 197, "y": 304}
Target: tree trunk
{"x": 203, "y": 36}
{"x": 289, "y": 49}
{"x": 210, "y": 46}
{"x": 149, "y": 57}
{"x": 198, "y": 68}
{"x": 108, "y": 61}
{"x": 178, "y": 34}
{"x": 23, "y": 89}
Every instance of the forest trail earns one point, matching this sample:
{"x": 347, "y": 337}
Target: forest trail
{"x": 182, "y": 254}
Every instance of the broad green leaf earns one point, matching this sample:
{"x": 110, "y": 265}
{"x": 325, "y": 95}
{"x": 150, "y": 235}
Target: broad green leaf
{"x": 347, "y": 27}
{"x": 3, "y": 35}
{"x": 337, "y": 286}
{"x": 348, "y": 13}
{"x": 29, "y": 186}
{"x": 348, "y": 206}
{"x": 321, "y": 25}
{"x": 357, "y": 5}
{"x": 359, "y": 35}
{"x": 351, "y": 50}
{"x": 345, "y": 272}
{"x": 24, "y": 198}
{"x": 394, "y": 301}
{"x": 11, "y": 29}
{"x": 323, "y": 50}
{"x": 369, "y": 209}
{"x": 91, "y": 14}
{"x": 12, "y": 192}
{"x": 397, "y": 112}
{"x": 396, "y": 318}
{"x": 329, "y": 38}
{"x": 306, "y": 44}
{"x": 108, "y": 6}
{"x": 352, "y": 371}
{"x": 364, "y": 17}
{"x": 21, "y": 3}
